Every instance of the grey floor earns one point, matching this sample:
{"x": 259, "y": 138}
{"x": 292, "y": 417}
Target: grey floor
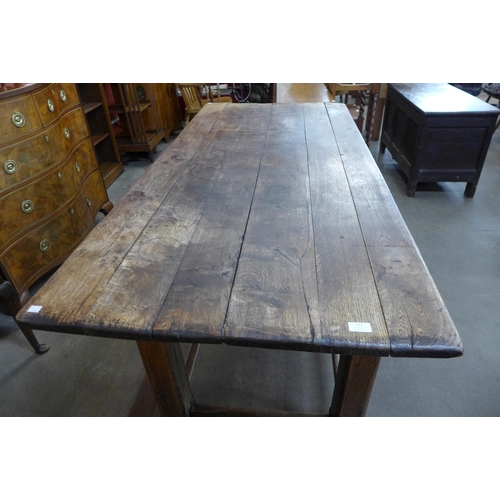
{"x": 459, "y": 239}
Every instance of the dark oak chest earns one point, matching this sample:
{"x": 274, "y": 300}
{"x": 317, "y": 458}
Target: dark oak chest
{"x": 437, "y": 133}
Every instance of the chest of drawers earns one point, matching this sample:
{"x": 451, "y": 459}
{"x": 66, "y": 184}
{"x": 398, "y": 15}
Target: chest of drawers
{"x": 50, "y": 186}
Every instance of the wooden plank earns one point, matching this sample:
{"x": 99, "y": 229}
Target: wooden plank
{"x": 134, "y": 296}
{"x": 95, "y": 261}
{"x": 273, "y": 301}
{"x": 417, "y": 319}
{"x": 216, "y": 411}
{"x": 196, "y": 304}
{"x": 275, "y": 297}
{"x": 346, "y": 288}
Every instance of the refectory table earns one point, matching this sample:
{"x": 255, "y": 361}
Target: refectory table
{"x": 263, "y": 225}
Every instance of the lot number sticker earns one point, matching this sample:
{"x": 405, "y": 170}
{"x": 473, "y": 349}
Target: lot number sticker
{"x": 360, "y": 327}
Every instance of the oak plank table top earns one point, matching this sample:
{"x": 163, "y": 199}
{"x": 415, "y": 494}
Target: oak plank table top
{"x": 264, "y": 225}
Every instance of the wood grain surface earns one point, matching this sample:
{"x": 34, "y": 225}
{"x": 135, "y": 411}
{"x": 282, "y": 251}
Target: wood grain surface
{"x": 262, "y": 225}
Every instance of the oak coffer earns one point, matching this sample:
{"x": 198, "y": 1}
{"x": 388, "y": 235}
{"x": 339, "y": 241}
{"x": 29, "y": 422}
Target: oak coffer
{"x": 437, "y": 133}
{"x": 50, "y": 186}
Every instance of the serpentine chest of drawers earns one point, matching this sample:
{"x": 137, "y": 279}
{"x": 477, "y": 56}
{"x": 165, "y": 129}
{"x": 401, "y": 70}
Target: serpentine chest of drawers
{"x": 50, "y": 186}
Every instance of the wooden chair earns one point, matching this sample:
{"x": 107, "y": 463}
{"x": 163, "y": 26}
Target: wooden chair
{"x": 192, "y": 98}
{"x": 196, "y": 95}
{"x": 366, "y": 97}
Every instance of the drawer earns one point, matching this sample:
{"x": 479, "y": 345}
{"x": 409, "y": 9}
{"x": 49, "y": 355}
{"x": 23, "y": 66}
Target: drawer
{"x": 25, "y": 207}
{"x": 24, "y": 160}
{"x": 18, "y": 118}
{"x": 54, "y": 100}
{"x": 49, "y": 244}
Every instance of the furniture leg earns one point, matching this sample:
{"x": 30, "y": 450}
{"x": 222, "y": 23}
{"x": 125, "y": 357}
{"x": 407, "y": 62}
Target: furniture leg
{"x": 14, "y": 305}
{"x": 411, "y": 187}
{"x": 106, "y": 208}
{"x": 470, "y": 189}
{"x": 164, "y": 365}
{"x": 353, "y": 385}
{"x": 377, "y": 126}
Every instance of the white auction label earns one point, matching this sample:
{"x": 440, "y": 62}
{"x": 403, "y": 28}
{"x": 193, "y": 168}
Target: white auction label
{"x": 360, "y": 327}
{"x": 35, "y": 309}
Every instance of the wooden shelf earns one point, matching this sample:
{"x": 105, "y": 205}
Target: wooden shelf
{"x": 93, "y": 100}
{"x": 97, "y": 138}
{"x": 90, "y": 106}
{"x": 109, "y": 172}
{"x": 129, "y": 109}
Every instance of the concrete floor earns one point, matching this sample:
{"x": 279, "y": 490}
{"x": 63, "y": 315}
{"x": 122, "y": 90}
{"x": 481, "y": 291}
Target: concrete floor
{"x": 459, "y": 239}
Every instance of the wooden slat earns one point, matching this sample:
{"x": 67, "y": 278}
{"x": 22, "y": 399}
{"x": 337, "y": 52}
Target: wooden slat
{"x": 89, "y": 266}
{"x": 216, "y": 411}
{"x": 196, "y": 305}
{"x": 133, "y": 298}
{"x": 417, "y": 319}
{"x": 346, "y": 287}
{"x": 273, "y": 300}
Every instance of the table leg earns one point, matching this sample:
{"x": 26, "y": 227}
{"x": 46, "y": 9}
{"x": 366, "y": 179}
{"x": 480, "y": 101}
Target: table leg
{"x": 470, "y": 189}
{"x": 168, "y": 378}
{"x": 353, "y": 385}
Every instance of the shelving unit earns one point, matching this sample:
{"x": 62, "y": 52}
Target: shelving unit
{"x": 136, "y": 122}
{"x": 92, "y": 97}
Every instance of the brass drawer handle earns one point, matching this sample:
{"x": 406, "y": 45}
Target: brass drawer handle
{"x": 66, "y": 133}
{"x": 27, "y": 206}
{"x": 77, "y": 167}
{"x": 44, "y": 245}
{"x": 10, "y": 166}
{"x": 50, "y": 104}
{"x": 62, "y": 95}
{"x": 18, "y": 119}
{"x": 89, "y": 203}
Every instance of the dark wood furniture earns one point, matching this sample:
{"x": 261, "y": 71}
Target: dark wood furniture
{"x": 136, "y": 121}
{"x": 437, "y": 133}
{"x": 93, "y": 99}
{"x": 267, "y": 225}
{"x": 50, "y": 187}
